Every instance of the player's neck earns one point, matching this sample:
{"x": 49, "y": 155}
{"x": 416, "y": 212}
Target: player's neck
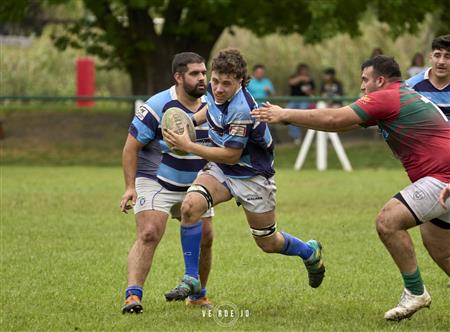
{"x": 191, "y": 103}
{"x": 438, "y": 82}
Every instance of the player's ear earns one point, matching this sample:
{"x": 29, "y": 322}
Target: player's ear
{"x": 178, "y": 77}
{"x": 380, "y": 80}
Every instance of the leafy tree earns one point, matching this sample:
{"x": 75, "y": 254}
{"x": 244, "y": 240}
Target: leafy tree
{"x": 141, "y": 36}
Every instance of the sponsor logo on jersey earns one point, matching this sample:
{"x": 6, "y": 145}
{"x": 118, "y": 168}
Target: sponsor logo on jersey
{"x": 237, "y": 130}
{"x": 141, "y": 112}
{"x": 364, "y": 99}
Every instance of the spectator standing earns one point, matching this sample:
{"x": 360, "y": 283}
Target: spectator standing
{"x": 302, "y": 85}
{"x": 331, "y": 87}
{"x": 260, "y": 87}
{"x": 417, "y": 64}
{"x": 376, "y": 51}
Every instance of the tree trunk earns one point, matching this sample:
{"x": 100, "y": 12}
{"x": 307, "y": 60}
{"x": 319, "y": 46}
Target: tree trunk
{"x": 152, "y": 72}
{"x": 149, "y": 75}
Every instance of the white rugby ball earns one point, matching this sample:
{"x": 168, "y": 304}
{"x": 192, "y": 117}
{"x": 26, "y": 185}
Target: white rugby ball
{"x": 176, "y": 119}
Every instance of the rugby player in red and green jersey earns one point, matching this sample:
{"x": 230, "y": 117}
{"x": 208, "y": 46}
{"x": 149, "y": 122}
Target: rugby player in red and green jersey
{"x": 419, "y": 135}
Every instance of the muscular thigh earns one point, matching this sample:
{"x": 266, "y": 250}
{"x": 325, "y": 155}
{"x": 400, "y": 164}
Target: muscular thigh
{"x": 260, "y": 220}
{"x": 219, "y": 193}
{"x": 436, "y": 239}
{"x": 151, "y": 221}
{"x": 397, "y": 215}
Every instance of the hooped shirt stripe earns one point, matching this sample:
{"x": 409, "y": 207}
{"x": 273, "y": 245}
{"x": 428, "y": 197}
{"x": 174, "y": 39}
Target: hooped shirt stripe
{"x": 174, "y": 172}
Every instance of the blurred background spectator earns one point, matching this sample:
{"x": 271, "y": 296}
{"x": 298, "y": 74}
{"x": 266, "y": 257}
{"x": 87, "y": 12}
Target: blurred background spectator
{"x": 302, "y": 85}
{"x": 260, "y": 86}
{"x": 417, "y": 64}
{"x": 376, "y": 51}
{"x": 331, "y": 87}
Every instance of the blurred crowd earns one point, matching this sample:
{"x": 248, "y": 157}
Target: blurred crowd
{"x": 302, "y": 84}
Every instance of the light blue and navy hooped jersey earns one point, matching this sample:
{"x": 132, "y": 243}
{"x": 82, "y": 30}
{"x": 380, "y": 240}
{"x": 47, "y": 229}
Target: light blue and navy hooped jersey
{"x": 173, "y": 172}
{"x": 441, "y": 97}
{"x": 231, "y": 125}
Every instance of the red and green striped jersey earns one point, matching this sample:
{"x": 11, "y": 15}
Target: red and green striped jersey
{"x": 415, "y": 129}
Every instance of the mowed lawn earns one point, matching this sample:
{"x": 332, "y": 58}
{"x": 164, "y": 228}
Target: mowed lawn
{"x": 64, "y": 246}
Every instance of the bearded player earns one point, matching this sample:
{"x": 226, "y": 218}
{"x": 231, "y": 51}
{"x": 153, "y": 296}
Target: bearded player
{"x": 155, "y": 183}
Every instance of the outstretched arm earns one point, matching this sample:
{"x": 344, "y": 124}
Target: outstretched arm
{"x": 326, "y": 119}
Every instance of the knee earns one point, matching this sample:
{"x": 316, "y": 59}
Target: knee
{"x": 267, "y": 244}
{"x": 384, "y": 228}
{"x": 187, "y": 209}
{"x": 150, "y": 236}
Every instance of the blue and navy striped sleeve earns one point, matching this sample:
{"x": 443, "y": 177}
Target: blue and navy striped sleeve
{"x": 145, "y": 123}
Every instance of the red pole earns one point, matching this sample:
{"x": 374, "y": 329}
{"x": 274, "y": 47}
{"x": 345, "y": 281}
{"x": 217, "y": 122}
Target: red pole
{"x": 85, "y": 81}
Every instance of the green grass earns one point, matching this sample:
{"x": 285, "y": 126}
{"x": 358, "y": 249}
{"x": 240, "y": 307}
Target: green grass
{"x": 64, "y": 247}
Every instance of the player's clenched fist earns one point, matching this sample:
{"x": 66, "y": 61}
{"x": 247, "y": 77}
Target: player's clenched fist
{"x": 130, "y": 195}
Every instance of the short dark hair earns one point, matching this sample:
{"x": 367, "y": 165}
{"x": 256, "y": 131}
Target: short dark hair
{"x": 181, "y": 60}
{"x": 302, "y": 66}
{"x": 258, "y": 66}
{"x": 383, "y": 66}
{"x": 330, "y": 71}
{"x": 441, "y": 43}
{"x": 231, "y": 61}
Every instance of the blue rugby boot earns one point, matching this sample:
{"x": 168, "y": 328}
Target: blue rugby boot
{"x": 314, "y": 264}
{"x": 188, "y": 286}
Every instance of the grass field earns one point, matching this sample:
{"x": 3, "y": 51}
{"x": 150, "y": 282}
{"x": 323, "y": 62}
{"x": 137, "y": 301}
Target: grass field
{"x": 64, "y": 247}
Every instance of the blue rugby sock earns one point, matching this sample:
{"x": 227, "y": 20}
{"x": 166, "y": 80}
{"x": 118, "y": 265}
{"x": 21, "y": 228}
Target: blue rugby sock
{"x": 134, "y": 290}
{"x": 295, "y": 247}
{"x": 191, "y": 235}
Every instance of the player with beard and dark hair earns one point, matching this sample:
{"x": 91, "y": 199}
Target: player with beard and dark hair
{"x": 156, "y": 179}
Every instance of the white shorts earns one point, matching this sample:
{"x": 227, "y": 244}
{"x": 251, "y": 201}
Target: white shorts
{"x": 255, "y": 194}
{"x": 422, "y": 198}
{"x": 153, "y": 196}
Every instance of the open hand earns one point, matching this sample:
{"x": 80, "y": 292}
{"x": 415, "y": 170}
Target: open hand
{"x": 268, "y": 113}
{"x": 177, "y": 141}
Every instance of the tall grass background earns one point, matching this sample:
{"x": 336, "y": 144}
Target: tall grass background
{"x": 40, "y": 69}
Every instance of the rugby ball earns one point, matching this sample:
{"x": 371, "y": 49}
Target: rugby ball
{"x": 176, "y": 119}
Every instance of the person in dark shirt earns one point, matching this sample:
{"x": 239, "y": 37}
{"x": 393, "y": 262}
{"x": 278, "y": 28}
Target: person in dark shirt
{"x": 302, "y": 85}
{"x": 331, "y": 87}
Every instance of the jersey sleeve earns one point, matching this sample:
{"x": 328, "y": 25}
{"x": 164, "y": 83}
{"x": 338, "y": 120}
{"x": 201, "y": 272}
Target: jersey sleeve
{"x": 238, "y": 128}
{"x": 145, "y": 123}
{"x": 376, "y": 106}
